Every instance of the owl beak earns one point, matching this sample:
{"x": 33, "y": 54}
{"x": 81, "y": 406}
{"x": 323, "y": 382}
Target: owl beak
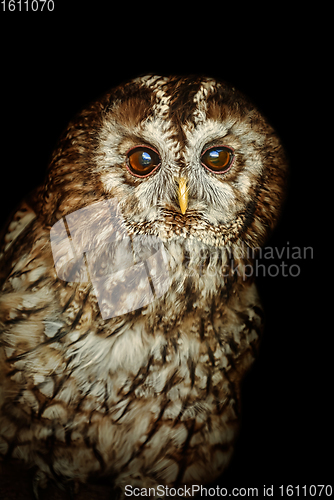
{"x": 183, "y": 194}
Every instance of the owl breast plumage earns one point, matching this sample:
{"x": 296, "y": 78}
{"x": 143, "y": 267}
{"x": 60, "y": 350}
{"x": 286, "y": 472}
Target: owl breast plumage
{"x": 125, "y": 331}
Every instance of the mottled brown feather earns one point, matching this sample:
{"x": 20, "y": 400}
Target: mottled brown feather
{"x": 151, "y": 396}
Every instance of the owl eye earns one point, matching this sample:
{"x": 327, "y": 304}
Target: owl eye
{"x": 218, "y": 159}
{"x": 142, "y": 161}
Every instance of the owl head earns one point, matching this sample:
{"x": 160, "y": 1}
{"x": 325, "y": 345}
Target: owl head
{"x": 186, "y": 157}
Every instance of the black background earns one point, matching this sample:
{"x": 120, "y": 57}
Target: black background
{"x": 53, "y": 64}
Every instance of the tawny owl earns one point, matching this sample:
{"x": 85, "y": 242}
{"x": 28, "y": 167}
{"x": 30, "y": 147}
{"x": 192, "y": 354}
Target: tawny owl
{"x": 127, "y": 317}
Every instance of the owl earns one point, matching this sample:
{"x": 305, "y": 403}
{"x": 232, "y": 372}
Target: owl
{"x": 128, "y": 315}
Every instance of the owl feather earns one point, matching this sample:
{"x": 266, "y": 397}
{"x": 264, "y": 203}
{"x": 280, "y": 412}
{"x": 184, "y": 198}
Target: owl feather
{"x": 152, "y": 395}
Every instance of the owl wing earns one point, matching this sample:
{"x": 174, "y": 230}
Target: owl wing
{"x": 14, "y": 230}
{"x": 26, "y": 286}
{"x": 38, "y": 309}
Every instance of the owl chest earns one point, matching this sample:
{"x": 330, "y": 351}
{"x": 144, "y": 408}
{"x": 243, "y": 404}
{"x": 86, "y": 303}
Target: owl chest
{"x": 130, "y": 418}
{"x": 113, "y": 404}
{"x": 185, "y": 376}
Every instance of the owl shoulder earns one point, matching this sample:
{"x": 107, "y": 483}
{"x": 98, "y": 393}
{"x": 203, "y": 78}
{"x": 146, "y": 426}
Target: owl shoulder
{"x": 16, "y": 234}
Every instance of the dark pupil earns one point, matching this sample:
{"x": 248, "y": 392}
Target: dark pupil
{"x": 218, "y": 157}
{"x": 145, "y": 159}
{"x": 142, "y": 161}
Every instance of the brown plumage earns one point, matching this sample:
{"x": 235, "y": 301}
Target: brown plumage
{"x": 150, "y": 396}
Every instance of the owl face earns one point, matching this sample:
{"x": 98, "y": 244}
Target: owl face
{"x": 184, "y": 157}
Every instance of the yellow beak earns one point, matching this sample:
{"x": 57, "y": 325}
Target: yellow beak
{"x": 183, "y": 195}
